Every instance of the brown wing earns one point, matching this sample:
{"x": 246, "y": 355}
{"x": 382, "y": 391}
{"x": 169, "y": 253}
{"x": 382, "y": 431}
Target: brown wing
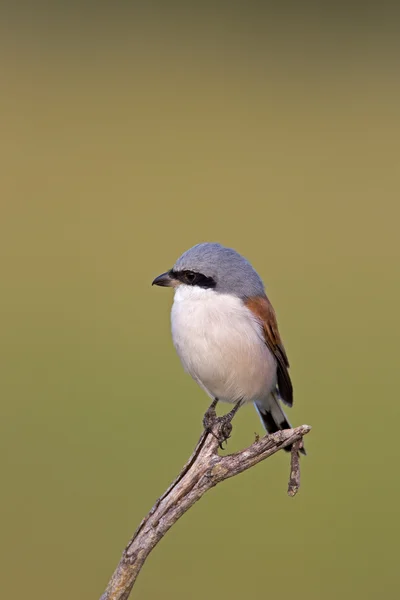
{"x": 262, "y": 308}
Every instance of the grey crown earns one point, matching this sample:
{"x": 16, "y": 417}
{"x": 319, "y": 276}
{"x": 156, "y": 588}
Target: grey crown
{"x": 232, "y": 273}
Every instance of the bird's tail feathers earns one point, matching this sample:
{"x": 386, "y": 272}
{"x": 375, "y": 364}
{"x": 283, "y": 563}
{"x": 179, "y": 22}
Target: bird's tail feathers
{"x": 273, "y": 418}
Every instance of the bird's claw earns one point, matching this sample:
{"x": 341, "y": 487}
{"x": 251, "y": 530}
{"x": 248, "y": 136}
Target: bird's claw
{"x": 219, "y": 427}
{"x": 209, "y": 419}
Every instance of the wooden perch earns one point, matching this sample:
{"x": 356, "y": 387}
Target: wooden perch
{"x": 203, "y": 471}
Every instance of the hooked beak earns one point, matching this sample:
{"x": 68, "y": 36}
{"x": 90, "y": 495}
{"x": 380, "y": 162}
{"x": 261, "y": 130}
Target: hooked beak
{"x": 165, "y": 280}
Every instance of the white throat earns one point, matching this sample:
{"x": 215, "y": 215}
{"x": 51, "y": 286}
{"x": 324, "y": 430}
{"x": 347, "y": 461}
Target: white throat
{"x": 194, "y": 292}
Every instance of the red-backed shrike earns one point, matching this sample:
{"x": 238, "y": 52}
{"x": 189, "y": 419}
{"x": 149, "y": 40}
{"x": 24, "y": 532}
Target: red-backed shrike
{"x": 225, "y": 332}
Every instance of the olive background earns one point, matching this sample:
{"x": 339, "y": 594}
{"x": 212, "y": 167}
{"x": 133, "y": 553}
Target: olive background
{"x": 130, "y": 132}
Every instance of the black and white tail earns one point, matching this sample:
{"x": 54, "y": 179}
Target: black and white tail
{"x": 272, "y": 416}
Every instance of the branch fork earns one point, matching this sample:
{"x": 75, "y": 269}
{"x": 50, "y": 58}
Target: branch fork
{"x": 204, "y": 469}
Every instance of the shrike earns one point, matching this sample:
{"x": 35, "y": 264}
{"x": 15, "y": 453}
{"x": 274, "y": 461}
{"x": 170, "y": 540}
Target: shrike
{"x": 225, "y": 332}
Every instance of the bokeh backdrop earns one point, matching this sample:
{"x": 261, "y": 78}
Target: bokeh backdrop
{"x": 130, "y": 132}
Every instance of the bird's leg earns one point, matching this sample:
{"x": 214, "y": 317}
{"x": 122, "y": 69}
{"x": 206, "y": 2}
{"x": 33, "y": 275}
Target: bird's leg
{"x": 229, "y": 416}
{"x": 210, "y": 416}
{"x": 220, "y": 427}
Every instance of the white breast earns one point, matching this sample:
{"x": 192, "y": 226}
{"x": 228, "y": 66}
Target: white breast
{"x": 220, "y": 343}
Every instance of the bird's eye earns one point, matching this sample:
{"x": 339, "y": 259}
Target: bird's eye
{"x": 190, "y": 277}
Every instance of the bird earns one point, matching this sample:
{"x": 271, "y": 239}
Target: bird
{"x": 226, "y": 335}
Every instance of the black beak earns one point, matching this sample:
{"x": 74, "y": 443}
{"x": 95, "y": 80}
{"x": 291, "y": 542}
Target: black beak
{"x": 164, "y": 280}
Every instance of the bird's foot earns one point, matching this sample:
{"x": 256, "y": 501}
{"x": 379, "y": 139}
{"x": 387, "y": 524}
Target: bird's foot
{"x": 219, "y": 427}
{"x": 210, "y": 415}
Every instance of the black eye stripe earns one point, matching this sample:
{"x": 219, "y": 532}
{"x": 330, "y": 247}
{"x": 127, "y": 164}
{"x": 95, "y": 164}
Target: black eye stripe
{"x": 193, "y": 278}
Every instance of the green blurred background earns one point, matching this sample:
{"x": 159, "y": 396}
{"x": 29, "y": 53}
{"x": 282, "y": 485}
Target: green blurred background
{"x": 130, "y": 132}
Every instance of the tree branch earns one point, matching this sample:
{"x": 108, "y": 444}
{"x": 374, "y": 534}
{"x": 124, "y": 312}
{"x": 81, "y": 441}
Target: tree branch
{"x": 204, "y": 469}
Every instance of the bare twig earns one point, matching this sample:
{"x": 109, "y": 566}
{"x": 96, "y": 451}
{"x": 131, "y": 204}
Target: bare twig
{"x": 204, "y": 469}
{"x": 294, "y": 480}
